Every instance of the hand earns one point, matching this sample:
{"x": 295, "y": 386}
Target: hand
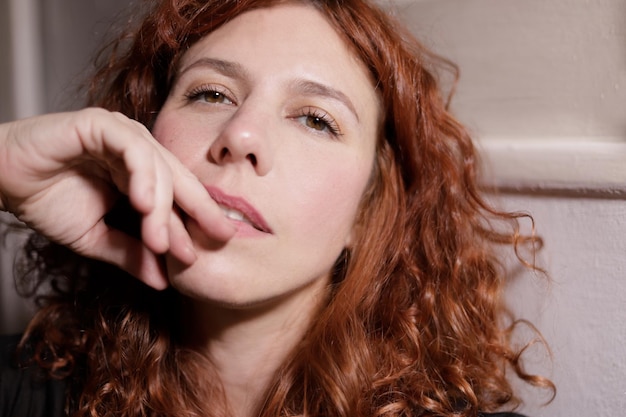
{"x": 62, "y": 173}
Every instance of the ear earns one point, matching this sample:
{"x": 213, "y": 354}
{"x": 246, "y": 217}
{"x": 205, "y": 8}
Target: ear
{"x": 358, "y": 224}
{"x": 351, "y": 237}
{"x": 349, "y": 241}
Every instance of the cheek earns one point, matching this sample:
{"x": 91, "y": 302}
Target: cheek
{"x": 329, "y": 197}
{"x": 166, "y": 131}
{"x": 177, "y": 138}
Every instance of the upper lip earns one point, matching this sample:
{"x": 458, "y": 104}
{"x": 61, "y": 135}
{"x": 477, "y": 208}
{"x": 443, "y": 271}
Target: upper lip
{"x": 240, "y": 204}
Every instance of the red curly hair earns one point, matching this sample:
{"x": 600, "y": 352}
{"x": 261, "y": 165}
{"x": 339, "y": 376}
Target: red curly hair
{"x": 415, "y": 325}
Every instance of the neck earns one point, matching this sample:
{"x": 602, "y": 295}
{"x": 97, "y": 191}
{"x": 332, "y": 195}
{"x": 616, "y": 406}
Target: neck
{"x": 247, "y": 345}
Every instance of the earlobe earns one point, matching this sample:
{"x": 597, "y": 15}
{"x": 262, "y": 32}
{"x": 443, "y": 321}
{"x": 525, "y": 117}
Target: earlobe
{"x": 348, "y": 244}
{"x": 349, "y": 237}
{"x": 355, "y": 231}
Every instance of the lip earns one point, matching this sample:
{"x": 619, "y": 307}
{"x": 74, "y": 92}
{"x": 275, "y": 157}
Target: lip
{"x": 240, "y": 204}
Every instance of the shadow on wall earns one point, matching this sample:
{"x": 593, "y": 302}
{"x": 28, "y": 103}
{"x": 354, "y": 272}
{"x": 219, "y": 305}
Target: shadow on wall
{"x": 73, "y": 32}
{"x": 70, "y": 35}
{"x": 6, "y": 111}
{"x": 14, "y": 311}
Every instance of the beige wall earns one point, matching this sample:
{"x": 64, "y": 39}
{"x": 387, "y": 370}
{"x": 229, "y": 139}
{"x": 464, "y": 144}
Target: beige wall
{"x": 6, "y": 112}
{"x": 533, "y": 68}
{"x": 48, "y": 44}
{"x": 73, "y": 31}
{"x": 544, "y": 89}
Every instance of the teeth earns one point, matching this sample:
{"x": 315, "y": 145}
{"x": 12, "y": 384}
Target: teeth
{"x": 234, "y": 214}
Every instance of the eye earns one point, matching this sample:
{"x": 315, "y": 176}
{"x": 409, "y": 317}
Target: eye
{"x": 209, "y": 94}
{"x": 316, "y": 123}
{"x": 319, "y": 121}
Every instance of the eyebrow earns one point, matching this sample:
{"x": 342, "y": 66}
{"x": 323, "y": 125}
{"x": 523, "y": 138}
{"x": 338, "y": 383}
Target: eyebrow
{"x": 301, "y": 85}
{"x": 313, "y": 88}
{"x": 227, "y": 68}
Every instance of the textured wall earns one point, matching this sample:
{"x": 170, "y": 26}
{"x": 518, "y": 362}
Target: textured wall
{"x": 534, "y": 72}
{"x": 73, "y": 31}
{"x": 534, "y": 67}
{"x": 582, "y": 313}
{"x": 543, "y": 86}
{"x": 52, "y": 57}
{"x": 5, "y": 70}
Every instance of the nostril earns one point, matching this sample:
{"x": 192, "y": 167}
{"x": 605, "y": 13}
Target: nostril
{"x": 252, "y": 158}
{"x": 223, "y": 153}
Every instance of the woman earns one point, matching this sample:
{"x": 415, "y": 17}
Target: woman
{"x": 309, "y": 202}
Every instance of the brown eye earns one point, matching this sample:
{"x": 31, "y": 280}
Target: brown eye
{"x": 209, "y": 94}
{"x": 215, "y": 97}
{"x": 319, "y": 121}
{"x": 316, "y": 123}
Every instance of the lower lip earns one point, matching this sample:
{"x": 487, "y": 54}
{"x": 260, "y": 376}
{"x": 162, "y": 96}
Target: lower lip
{"x": 243, "y": 229}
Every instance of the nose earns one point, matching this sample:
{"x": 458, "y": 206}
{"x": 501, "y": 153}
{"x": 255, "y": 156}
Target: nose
{"x": 244, "y": 140}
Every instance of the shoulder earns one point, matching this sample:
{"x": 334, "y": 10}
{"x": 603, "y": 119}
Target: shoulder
{"x": 23, "y": 392}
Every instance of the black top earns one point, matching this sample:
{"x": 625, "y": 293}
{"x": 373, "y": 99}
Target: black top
{"x": 23, "y": 393}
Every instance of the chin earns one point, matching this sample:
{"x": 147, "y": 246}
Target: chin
{"x": 234, "y": 292}
{"x": 213, "y": 289}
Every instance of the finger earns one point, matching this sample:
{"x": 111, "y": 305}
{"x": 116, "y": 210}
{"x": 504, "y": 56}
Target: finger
{"x": 145, "y": 165}
{"x": 181, "y": 246}
{"x": 130, "y": 254}
{"x": 149, "y": 186}
{"x": 142, "y": 168}
{"x": 151, "y": 181}
{"x": 146, "y": 266}
{"x": 191, "y": 196}
{"x": 155, "y": 226}
{"x": 127, "y": 148}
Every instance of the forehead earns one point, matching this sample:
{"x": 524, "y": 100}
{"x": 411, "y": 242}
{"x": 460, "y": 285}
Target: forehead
{"x": 284, "y": 26}
{"x": 287, "y": 40}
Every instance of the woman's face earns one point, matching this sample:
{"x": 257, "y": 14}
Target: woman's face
{"x": 278, "y": 119}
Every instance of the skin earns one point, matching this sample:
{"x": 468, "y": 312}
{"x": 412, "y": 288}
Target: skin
{"x": 61, "y": 173}
{"x": 254, "y": 141}
{"x": 291, "y": 132}
{"x": 242, "y": 117}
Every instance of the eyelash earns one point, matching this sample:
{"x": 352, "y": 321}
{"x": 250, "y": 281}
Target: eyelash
{"x": 200, "y": 93}
{"x": 204, "y": 90}
{"x": 331, "y": 124}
